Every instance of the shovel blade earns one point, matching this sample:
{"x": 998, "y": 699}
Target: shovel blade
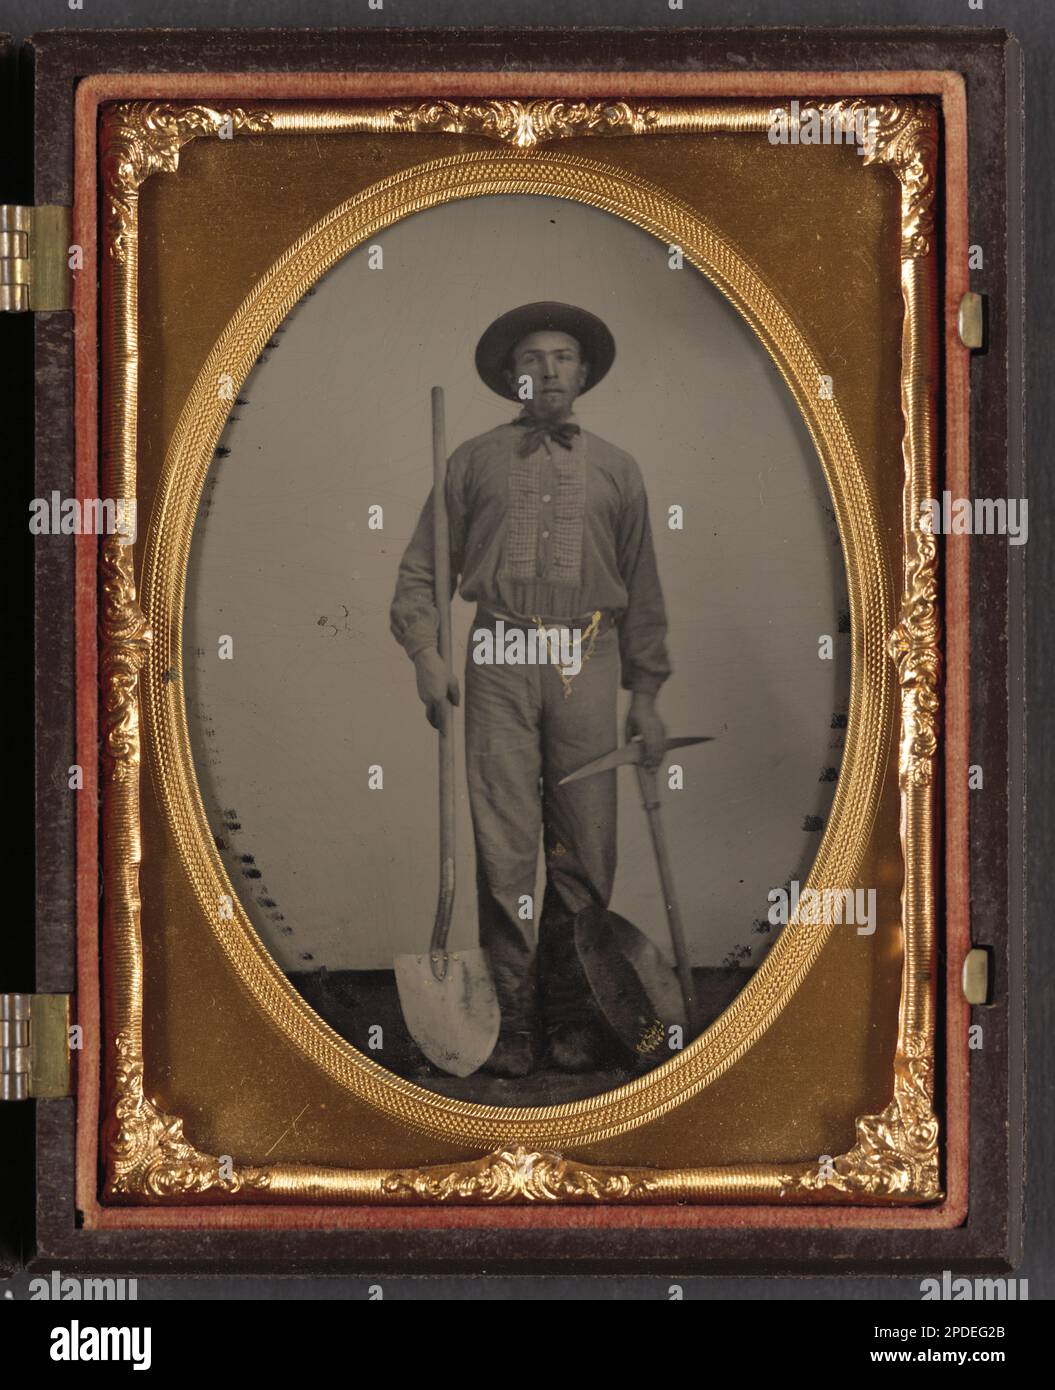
{"x": 634, "y": 987}
{"x": 455, "y": 1021}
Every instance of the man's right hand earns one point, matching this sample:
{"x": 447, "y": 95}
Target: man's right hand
{"x": 436, "y": 683}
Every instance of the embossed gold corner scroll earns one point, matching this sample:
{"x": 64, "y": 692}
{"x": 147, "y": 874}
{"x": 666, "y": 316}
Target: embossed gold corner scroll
{"x": 147, "y": 1158}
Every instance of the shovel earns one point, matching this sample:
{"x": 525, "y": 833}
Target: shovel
{"x": 616, "y": 939}
{"x": 448, "y": 998}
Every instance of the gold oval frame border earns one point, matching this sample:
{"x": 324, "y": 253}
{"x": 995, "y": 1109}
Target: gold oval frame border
{"x": 869, "y": 582}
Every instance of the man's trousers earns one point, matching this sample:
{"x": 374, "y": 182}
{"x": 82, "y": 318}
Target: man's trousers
{"x": 523, "y": 734}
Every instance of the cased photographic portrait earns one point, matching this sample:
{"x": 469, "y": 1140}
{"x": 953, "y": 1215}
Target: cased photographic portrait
{"x": 524, "y": 857}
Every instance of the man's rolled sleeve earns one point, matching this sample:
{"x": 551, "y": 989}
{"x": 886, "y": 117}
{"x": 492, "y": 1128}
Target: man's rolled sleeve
{"x": 643, "y": 626}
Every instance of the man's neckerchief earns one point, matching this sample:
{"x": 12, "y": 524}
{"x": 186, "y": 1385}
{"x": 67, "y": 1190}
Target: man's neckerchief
{"x": 535, "y": 431}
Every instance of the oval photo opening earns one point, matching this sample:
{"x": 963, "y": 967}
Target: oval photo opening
{"x": 526, "y": 863}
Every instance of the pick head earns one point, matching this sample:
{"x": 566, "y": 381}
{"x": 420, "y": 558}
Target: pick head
{"x": 630, "y": 754}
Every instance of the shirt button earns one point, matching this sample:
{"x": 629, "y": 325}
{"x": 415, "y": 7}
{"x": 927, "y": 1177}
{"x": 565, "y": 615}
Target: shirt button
{"x": 545, "y": 535}
{"x": 545, "y": 497}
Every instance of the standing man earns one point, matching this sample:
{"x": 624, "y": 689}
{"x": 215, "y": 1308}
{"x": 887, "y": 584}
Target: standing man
{"x": 549, "y": 528}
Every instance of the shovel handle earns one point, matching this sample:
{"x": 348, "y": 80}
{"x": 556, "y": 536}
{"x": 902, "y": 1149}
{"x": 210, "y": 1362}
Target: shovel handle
{"x": 441, "y": 550}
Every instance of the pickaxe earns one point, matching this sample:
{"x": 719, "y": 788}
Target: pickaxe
{"x": 633, "y": 754}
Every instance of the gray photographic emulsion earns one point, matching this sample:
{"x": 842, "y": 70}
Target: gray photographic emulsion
{"x": 626, "y": 470}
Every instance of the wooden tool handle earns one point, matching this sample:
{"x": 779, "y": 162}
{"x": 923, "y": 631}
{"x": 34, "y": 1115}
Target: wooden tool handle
{"x": 441, "y": 551}
{"x": 649, "y": 785}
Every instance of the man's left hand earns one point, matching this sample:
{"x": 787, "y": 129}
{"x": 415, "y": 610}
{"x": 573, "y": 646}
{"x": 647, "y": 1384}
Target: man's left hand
{"x": 643, "y": 722}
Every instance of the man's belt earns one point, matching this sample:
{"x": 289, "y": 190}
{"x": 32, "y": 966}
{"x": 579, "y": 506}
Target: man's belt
{"x": 487, "y": 617}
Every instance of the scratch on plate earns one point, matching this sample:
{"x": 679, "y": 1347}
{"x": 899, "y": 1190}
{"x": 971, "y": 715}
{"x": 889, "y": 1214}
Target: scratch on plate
{"x": 292, "y": 1126}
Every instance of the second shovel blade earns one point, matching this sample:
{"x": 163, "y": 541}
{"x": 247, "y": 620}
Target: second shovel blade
{"x": 455, "y": 1021}
{"x": 634, "y": 987}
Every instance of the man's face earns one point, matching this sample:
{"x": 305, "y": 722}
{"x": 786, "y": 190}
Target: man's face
{"x": 554, "y": 363}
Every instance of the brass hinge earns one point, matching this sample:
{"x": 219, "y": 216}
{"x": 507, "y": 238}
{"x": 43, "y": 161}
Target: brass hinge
{"x": 34, "y": 257}
{"x": 34, "y": 1046}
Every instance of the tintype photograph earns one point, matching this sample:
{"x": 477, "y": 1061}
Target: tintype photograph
{"x": 529, "y": 587}
{"x": 516, "y": 650}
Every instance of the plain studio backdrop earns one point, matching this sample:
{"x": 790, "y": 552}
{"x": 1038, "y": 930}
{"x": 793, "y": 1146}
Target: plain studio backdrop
{"x": 336, "y": 419}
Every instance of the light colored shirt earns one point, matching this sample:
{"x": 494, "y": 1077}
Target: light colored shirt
{"x": 559, "y": 534}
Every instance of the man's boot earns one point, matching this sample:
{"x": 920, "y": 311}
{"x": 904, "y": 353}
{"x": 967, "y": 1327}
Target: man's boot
{"x": 513, "y": 973}
{"x": 578, "y": 1038}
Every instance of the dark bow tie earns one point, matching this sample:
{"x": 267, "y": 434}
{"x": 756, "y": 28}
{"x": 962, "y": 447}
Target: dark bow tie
{"x": 536, "y": 431}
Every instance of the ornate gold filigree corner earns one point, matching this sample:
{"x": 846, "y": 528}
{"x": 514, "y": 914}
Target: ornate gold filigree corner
{"x": 901, "y": 133}
{"x": 521, "y": 1175}
{"x": 125, "y": 639}
{"x": 527, "y": 124}
{"x": 140, "y": 138}
{"x": 148, "y": 1158}
{"x": 896, "y": 1154}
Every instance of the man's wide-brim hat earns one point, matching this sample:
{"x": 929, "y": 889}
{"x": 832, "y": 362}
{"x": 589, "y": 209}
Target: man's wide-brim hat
{"x": 495, "y": 349}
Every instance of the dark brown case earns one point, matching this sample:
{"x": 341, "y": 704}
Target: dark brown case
{"x": 990, "y": 1238}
